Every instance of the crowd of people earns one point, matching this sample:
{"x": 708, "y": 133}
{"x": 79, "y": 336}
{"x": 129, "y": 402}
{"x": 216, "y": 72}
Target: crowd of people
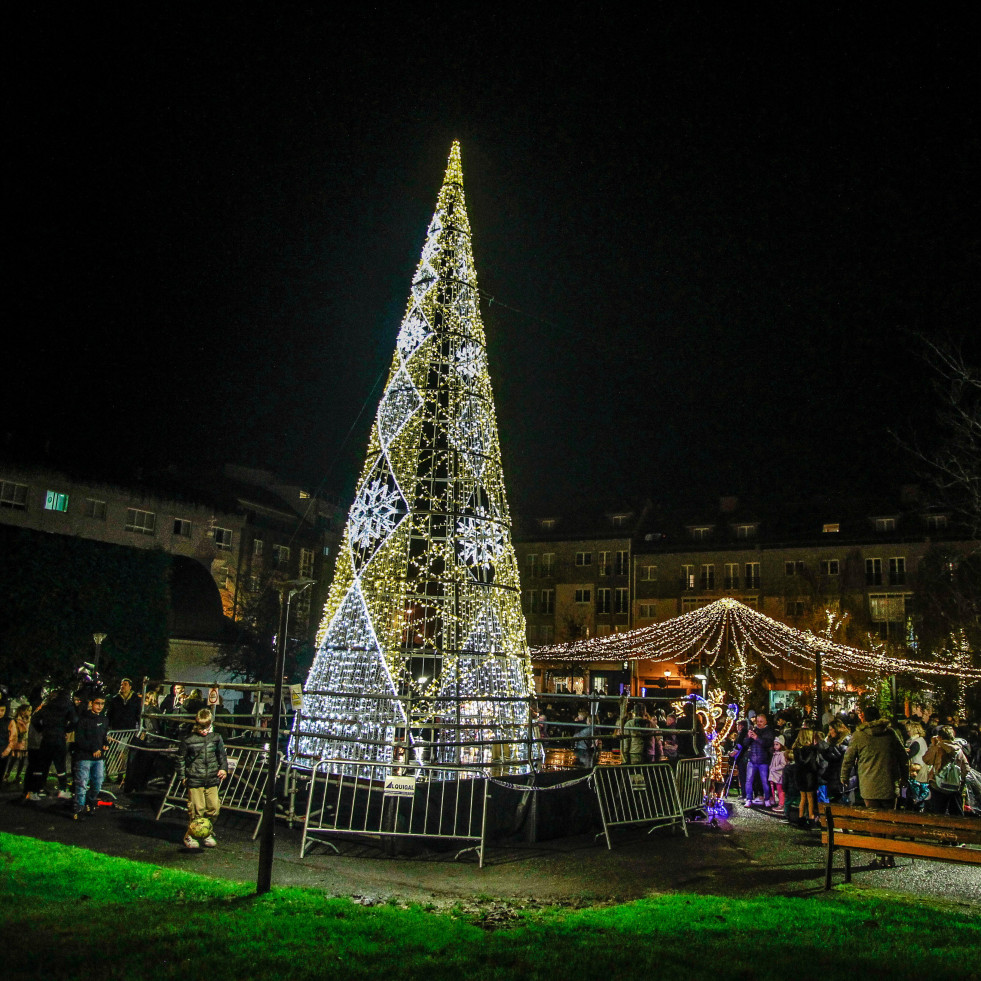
{"x": 916, "y": 762}
{"x": 48, "y": 730}
{"x": 790, "y": 766}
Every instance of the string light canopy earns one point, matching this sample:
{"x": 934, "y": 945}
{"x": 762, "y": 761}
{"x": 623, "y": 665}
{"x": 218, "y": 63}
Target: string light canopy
{"x": 423, "y": 637}
{"x": 732, "y": 629}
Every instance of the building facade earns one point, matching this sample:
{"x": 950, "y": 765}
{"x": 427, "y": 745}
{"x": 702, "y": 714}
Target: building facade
{"x": 794, "y": 563}
{"x": 248, "y": 529}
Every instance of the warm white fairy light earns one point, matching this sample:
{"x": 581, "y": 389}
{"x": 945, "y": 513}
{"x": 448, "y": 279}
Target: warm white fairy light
{"x": 728, "y": 624}
{"x": 427, "y": 572}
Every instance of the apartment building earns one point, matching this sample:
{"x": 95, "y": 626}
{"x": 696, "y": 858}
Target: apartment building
{"x": 243, "y": 525}
{"x": 791, "y": 563}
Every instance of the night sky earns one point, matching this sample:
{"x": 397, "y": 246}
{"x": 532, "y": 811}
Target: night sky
{"x": 708, "y": 234}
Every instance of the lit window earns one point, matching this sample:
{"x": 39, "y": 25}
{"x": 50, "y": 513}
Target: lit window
{"x": 141, "y": 522}
{"x": 223, "y": 539}
{"x": 888, "y": 607}
{"x": 55, "y": 501}
{"x": 13, "y": 496}
{"x": 831, "y": 527}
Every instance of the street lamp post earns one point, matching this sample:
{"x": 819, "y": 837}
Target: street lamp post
{"x": 98, "y": 639}
{"x": 703, "y": 678}
{"x": 267, "y": 843}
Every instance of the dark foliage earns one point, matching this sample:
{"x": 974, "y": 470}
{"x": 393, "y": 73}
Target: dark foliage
{"x": 59, "y": 590}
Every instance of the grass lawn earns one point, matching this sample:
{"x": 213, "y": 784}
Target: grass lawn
{"x": 72, "y": 913}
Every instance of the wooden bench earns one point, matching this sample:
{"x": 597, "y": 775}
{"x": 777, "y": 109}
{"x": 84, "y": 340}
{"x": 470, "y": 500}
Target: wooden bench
{"x": 932, "y": 836}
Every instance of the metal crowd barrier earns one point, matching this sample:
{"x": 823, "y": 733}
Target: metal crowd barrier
{"x": 426, "y": 802}
{"x": 690, "y": 776}
{"x": 119, "y": 747}
{"x": 243, "y": 790}
{"x": 638, "y": 793}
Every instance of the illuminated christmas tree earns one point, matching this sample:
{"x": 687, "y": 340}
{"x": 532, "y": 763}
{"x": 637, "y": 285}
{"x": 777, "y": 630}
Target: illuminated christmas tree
{"x": 423, "y": 623}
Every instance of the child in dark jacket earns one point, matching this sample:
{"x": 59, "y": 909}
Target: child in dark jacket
{"x": 202, "y": 764}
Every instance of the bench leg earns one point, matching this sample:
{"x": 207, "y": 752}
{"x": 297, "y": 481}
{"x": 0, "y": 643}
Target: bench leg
{"x": 848, "y": 865}
{"x": 827, "y": 869}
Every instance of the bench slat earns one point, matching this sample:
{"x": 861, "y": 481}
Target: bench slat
{"x": 896, "y": 846}
{"x": 844, "y": 816}
{"x": 886, "y": 829}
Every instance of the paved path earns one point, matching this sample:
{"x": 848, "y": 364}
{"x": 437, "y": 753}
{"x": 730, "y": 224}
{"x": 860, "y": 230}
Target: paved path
{"x": 755, "y": 853}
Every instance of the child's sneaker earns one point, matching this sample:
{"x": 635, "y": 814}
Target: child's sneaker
{"x": 64, "y": 795}
{"x": 191, "y": 842}
{"x": 78, "y": 815}
{"x": 210, "y": 841}
{"x": 35, "y": 796}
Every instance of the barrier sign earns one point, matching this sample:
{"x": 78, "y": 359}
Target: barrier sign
{"x": 400, "y": 786}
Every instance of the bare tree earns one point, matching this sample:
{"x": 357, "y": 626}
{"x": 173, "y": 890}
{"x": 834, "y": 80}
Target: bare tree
{"x": 953, "y": 466}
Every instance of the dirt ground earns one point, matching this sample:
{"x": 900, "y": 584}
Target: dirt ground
{"x": 753, "y": 853}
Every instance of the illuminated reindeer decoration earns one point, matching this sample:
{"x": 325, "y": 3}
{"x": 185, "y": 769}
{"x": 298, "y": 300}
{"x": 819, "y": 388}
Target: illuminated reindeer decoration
{"x": 717, "y": 720}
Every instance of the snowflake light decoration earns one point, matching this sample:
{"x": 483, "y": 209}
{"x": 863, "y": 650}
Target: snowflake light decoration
{"x": 481, "y": 539}
{"x": 374, "y": 514}
{"x": 414, "y": 332}
{"x": 469, "y": 360}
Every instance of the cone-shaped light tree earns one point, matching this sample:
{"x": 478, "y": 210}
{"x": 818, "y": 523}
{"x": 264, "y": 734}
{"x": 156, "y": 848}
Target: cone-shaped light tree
{"x": 423, "y": 638}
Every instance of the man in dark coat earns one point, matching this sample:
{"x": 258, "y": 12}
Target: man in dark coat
{"x": 879, "y": 755}
{"x": 124, "y": 709}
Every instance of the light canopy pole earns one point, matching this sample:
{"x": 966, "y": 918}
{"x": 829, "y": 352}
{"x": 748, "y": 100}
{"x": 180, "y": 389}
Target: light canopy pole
{"x": 267, "y": 843}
